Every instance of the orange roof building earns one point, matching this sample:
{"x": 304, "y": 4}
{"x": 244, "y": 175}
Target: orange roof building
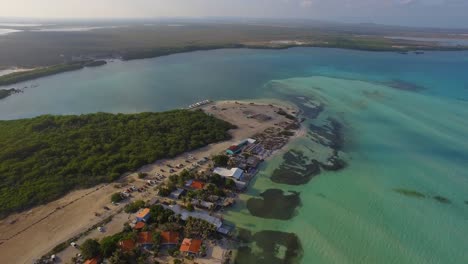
{"x": 127, "y": 245}
{"x": 191, "y": 246}
{"x": 169, "y": 238}
{"x": 139, "y": 225}
{"x": 145, "y": 238}
{"x": 143, "y": 214}
{"x": 198, "y": 185}
{"x": 92, "y": 261}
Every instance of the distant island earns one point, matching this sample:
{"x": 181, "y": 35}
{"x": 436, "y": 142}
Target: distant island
{"x": 22, "y": 76}
{"x": 7, "y": 92}
{"x": 54, "y": 53}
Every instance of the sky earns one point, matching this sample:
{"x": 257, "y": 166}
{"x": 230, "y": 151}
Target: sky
{"x": 439, "y": 13}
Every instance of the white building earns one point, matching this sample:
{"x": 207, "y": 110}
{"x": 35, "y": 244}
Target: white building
{"x": 235, "y": 173}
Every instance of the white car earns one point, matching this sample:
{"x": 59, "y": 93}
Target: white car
{"x": 73, "y": 244}
{"x": 100, "y": 229}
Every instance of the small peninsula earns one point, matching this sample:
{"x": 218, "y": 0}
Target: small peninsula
{"x": 180, "y": 170}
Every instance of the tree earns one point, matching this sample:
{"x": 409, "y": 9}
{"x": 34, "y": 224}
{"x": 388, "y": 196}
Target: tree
{"x": 134, "y": 207}
{"x": 109, "y": 245}
{"x": 90, "y": 248}
{"x": 220, "y": 160}
{"x": 190, "y": 207}
{"x": 142, "y": 175}
{"x": 118, "y": 258}
{"x": 116, "y": 197}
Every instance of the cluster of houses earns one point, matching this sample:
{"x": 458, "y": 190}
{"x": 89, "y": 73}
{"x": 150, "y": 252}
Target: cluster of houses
{"x": 168, "y": 239}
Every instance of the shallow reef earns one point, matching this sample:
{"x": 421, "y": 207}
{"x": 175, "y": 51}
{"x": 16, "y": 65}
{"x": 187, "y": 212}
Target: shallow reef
{"x": 416, "y": 194}
{"x": 404, "y": 85}
{"x": 296, "y": 169}
{"x": 272, "y": 247}
{"x": 274, "y": 204}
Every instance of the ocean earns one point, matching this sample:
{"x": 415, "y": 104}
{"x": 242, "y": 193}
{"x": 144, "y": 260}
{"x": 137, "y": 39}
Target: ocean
{"x": 395, "y": 124}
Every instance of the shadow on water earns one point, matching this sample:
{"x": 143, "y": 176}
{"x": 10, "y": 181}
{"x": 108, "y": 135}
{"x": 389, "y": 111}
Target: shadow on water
{"x": 268, "y": 247}
{"x": 274, "y": 204}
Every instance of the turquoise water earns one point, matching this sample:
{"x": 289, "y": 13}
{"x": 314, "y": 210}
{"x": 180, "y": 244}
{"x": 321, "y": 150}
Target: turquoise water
{"x": 394, "y": 139}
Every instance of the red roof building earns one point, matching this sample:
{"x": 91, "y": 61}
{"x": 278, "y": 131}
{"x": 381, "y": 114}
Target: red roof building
{"x": 92, "y": 261}
{"x": 145, "y": 238}
{"x": 139, "y": 225}
{"x": 191, "y": 246}
{"x": 169, "y": 238}
{"x": 127, "y": 245}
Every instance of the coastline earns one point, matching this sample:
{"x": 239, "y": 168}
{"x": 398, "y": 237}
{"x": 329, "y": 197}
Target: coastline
{"x": 161, "y": 52}
{"x": 72, "y": 214}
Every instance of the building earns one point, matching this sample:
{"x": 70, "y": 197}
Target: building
{"x": 169, "y": 238}
{"x": 194, "y": 184}
{"x": 127, "y": 245}
{"x": 177, "y": 193}
{"x": 190, "y": 246}
{"x": 143, "y": 215}
{"x": 253, "y": 162}
{"x": 145, "y": 239}
{"x": 235, "y": 173}
{"x": 234, "y": 149}
{"x": 139, "y": 225}
{"x": 184, "y": 215}
{"x": 92, "y": 261}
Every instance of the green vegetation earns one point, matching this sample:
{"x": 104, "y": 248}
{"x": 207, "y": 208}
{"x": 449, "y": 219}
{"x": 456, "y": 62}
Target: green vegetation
{"x": 7, "y": 92}
{"x": 43, "y": 158}
{"x": 220, "y": 160}
{"x": 95, "y": 63}
{"x": 116, "y": 197}
{"x": 32, "y": 49}
{"x": 37, "y": 73}
{"x": 22, "y": 76}
{"x": 134, "y": 206}
{"x": 195, "y": 227}
{"x": 90, "y": 248}
{"x": 142, "y": 175}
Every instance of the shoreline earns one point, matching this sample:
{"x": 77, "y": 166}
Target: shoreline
{"x": 71, "y": 215}
{"x": 162, "y": 52}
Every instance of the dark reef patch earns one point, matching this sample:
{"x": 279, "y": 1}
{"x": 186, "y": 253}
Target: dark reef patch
{"x": 410, "y": 193}
{"x": 296, "y": 169}
{"x": 442, "y": 199}
{"x": 416, "y": 194}
{"x": 404, "y": 85}
{"x": 275, "y": 248}
{"x": 274, "y": 204}
{"x": 330, "y": 134}
{"x": 466, "y": 202}
{"x": 334, "y": 163}
{"x": 309, "y": 107}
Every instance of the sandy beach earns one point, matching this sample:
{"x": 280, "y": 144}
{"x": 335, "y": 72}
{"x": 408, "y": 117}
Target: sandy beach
{"x": 29, "y": 235}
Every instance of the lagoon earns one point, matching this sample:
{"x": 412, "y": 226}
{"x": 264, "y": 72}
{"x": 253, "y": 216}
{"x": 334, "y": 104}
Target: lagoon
{"x": 398, "y": 140}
